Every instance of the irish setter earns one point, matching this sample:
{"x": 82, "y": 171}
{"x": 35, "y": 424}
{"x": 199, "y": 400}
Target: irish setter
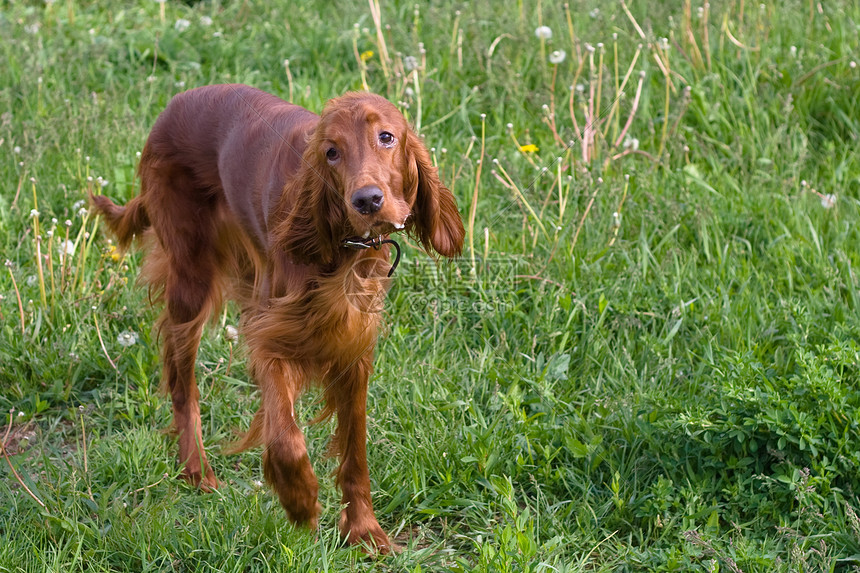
{"x": 248, "y": 196}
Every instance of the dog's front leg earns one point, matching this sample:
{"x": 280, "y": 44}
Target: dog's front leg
{"x": 347, "y": 388}
{"x": 286, "y": 465}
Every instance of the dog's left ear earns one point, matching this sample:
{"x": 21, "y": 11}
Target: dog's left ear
{"x": 435, "y": 219}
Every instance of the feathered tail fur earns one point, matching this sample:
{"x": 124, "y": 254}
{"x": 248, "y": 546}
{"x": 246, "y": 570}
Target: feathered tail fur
{"x": 125, "y": 222}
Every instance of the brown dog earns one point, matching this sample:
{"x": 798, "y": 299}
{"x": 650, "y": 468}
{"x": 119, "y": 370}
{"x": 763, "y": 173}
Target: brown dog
{"x": 246, "y": 195}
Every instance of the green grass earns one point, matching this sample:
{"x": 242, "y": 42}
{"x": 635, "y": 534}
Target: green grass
{"x": 674, "y": 388}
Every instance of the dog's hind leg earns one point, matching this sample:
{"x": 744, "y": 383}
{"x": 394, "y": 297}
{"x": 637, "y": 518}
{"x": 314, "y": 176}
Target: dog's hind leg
{"x": 185, "y": 262}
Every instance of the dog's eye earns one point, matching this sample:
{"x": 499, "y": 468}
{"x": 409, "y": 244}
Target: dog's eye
{"x": 386, "y": 139}
{"x": 332, "y": 154}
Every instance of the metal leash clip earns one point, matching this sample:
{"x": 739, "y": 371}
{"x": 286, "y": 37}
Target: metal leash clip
{"x": 376, "y": 243}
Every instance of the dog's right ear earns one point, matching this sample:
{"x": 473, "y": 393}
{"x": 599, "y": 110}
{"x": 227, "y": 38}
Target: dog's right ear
{"x": 312, "y": 231}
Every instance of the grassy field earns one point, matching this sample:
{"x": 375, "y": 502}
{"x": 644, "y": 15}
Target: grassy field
{"x": 646, "y": 359}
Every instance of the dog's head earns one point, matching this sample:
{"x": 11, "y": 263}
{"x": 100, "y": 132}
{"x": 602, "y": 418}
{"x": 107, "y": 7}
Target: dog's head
{"x": 365, "y": 174}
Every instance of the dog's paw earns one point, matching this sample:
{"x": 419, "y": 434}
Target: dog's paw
{"x": 205, "y": 480}
{"x": 369, "y": 536}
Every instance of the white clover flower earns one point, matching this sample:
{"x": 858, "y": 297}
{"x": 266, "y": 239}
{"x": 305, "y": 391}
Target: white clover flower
{"x": 127, "y": 338}
{"x": 231, "y": 333}
{"x": 594, "y": 13}
{"x": 557, "y": 57}
{"x": 828, "y": 201}
{"x": 181, "y": 25}
{"x": 33, "y": 28}
{"x": 543, "y": 32}
{"x": 205, "y": 21}
{"x": 16, "y": 149}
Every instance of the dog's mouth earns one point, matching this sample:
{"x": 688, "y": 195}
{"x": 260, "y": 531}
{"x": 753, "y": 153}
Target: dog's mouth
{"x": 370, "y": 229}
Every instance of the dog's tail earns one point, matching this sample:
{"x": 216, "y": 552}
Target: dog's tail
{"x": 125, "y": 222}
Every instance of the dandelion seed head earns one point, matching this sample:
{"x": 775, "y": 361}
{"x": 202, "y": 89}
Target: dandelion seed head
{"x": 557, "y": 57}
{"x": 66, "y": 248}
{"x": 543, "y": 32}
{"x": 34, "y": 213}
{"x": 410, "y": 63}
{"x": 181, "y": 25}
{"x": 127, "y": 338}
{"x": 205, "y": 21}
{"x": 828, "y": 201}
{"x": 231, "y": 334}
{"x": 631, "y": 143}
{"x": 16, "y": 149}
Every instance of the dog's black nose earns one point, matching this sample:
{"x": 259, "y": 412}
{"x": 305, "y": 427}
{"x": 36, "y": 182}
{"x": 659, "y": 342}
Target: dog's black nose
{"x": 368, "y": 200}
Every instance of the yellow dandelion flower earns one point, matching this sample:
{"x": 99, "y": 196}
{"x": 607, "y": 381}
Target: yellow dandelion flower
{"x": 366, "y": 55}
{"x": 530, "y": 148}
